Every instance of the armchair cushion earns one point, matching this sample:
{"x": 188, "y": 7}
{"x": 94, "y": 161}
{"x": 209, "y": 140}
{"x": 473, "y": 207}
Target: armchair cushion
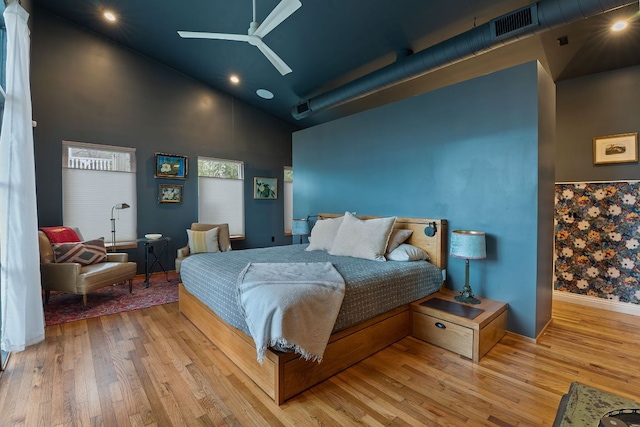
{"x": 84, "y": 253}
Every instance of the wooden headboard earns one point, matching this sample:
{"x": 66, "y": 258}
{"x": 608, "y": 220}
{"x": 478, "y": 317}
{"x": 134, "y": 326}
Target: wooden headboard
{"x": 435, "y": 246}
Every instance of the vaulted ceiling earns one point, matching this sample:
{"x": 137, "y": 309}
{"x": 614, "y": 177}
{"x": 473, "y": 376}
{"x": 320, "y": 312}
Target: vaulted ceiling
{"x": 328, "y": 43}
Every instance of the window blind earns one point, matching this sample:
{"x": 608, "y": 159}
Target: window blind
{"x": 88, "y": 198}
{"x": 95, "y": 178}
{"x": 288, "y": 205}
{"x": 221, "y": 200}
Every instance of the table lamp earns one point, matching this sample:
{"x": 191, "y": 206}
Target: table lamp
{"x": 300, "y": 227}
{"x": 119, "y": 206}
{"x": 468, "y": 245}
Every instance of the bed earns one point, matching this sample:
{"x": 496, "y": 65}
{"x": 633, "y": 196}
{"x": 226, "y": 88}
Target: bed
{"x": 373, "y": 315}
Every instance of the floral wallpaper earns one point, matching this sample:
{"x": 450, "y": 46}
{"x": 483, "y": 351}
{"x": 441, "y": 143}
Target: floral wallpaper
{"x": 597, "y": 241}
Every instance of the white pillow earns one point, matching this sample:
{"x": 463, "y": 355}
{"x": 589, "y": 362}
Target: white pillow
{"x": 363, "y": 238}
{"x": 398, "y": 236}
{"x": 203, "y": 241}
{"x": 407, "y": 252}
{"x": 323, "y": 234}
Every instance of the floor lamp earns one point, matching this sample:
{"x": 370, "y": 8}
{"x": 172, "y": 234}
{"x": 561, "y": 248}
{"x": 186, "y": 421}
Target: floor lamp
{"x": 119, "y": 206}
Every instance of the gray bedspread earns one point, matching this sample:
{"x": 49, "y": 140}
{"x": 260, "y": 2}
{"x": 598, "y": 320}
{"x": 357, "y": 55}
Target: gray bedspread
{"x": 371, "y": 287}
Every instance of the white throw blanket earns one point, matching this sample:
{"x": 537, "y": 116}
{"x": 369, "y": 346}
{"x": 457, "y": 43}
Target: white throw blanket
{"x": 291, "y": 305}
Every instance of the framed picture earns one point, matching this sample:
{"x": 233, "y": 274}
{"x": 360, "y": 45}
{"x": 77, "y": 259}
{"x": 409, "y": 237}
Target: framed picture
{"x": 169, "y": 193}
{"x": 170, "y": 166}
{"x": 622, "y": 148}
{"x": 265, "y": 188}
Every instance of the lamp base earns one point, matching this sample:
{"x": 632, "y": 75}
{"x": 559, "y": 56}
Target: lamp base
{"x": 466, "y": 296}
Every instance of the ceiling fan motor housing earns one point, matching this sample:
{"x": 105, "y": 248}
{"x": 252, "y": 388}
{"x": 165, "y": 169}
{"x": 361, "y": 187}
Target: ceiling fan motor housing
{"x": 253, "y": 26}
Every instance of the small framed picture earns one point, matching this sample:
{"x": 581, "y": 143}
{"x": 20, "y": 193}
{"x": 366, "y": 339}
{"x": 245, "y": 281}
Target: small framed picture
{"x": 621, "y": 148}
{"x": 265, "y": 188}
{"x": 169, "y": 193}
{"x": 170, "y": 166}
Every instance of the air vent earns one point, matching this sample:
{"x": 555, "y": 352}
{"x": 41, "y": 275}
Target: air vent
{"x": 302, "y": 108}
{"x": 515, "y": 22}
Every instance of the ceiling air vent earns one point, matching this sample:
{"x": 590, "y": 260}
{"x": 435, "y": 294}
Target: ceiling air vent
{"x": 515, "y": 22}
{"x": 302, "y": 108}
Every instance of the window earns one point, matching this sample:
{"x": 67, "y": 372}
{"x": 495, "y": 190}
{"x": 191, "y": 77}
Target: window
{"x": 221, "y": 193}
{"x": 288, "y": 198}
{"x": 95, "y": 179}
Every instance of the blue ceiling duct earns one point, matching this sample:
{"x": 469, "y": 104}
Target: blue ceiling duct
{"x": 522, "y": 23}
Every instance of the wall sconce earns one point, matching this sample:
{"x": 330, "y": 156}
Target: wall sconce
{"x": 430, "y": 230}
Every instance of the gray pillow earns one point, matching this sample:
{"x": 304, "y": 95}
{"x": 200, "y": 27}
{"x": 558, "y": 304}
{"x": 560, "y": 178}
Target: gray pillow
{"x": 406, "y": 252}
{"x": 398, "y": 236}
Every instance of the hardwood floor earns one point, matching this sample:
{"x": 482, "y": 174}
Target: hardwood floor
{"x": 153, "y": 367}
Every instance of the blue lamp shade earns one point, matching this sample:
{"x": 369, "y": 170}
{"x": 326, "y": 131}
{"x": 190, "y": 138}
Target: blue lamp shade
{"x": 300, "y": 227}
{"x": 468, "y": 244}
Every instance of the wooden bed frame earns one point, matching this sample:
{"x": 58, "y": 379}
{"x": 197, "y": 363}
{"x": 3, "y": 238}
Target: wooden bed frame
{"x": 284, "y": 375}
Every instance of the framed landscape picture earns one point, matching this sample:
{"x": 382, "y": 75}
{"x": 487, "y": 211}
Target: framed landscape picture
{"x": 622, "y": 148}
{"x": 169, "y": 193}
{"x": 170, "y": 166}
{"x": 265, "y": 188}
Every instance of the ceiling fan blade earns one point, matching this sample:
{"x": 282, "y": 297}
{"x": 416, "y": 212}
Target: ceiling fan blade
{"x": 273, "y": 58}
{"x": 282, "y": 11}
{"x": 214, "y": 36}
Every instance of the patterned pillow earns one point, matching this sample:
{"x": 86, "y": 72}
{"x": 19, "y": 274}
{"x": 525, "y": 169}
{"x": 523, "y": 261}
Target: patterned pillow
{"x": 203, "y": 241}
{"x": 84, "y": 253}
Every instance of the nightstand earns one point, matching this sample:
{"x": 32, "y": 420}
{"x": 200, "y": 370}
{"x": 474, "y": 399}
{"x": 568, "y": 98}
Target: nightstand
{"x": 470, "y": 333}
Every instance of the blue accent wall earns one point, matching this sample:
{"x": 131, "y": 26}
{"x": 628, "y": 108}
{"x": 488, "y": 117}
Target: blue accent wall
{"x": 468, "y": 153}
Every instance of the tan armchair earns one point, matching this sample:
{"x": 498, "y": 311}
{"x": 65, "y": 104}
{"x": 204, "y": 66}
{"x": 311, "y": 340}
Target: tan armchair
{"x": 224, "y": 240}
{"x": 77, "y": 279}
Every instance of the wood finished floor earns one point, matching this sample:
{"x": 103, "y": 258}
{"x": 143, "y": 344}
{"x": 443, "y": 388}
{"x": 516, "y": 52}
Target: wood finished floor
{"x": 153, "y": 367}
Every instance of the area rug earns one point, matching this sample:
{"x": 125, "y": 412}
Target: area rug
{"x": 64, "y": 308}
{"x": 585, "y": 406}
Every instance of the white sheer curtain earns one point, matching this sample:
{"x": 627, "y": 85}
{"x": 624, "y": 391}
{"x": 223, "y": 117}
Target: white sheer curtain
{"x": 22, "y": 315}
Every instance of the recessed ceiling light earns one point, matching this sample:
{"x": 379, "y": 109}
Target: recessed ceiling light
{"x": 266, "y": 94}
{"x": 619, "y": 26}
{"x": 234, "y": 79}
{"x": 110, "y": 16}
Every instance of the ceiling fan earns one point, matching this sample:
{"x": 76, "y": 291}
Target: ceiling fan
{"x": 256, "y": 32}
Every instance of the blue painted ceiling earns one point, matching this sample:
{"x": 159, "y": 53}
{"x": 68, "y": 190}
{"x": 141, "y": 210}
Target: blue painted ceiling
{"x": 330, "y": 42}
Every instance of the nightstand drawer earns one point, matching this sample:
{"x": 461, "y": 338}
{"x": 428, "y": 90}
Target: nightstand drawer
{"x": 443, "y": 334}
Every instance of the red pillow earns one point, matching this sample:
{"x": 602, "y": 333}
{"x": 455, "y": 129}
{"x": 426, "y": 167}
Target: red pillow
{"x": 60, "y": 234}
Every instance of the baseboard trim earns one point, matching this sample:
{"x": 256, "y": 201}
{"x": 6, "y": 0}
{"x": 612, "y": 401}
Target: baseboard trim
{"x": 595, "y": 302}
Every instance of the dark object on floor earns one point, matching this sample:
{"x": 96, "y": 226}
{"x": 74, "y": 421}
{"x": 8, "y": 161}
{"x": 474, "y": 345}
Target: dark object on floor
{"x": 621, "y": 418}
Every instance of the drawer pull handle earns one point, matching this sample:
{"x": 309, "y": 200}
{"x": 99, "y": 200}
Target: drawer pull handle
{"x": 441, "y": 325}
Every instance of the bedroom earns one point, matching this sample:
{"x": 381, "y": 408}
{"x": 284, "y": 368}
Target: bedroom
{"x": 153, "y": 114}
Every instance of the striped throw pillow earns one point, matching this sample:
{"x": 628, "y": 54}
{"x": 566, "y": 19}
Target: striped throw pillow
{"x": 203, "y": 241}
{"x": 84, "y": 253}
